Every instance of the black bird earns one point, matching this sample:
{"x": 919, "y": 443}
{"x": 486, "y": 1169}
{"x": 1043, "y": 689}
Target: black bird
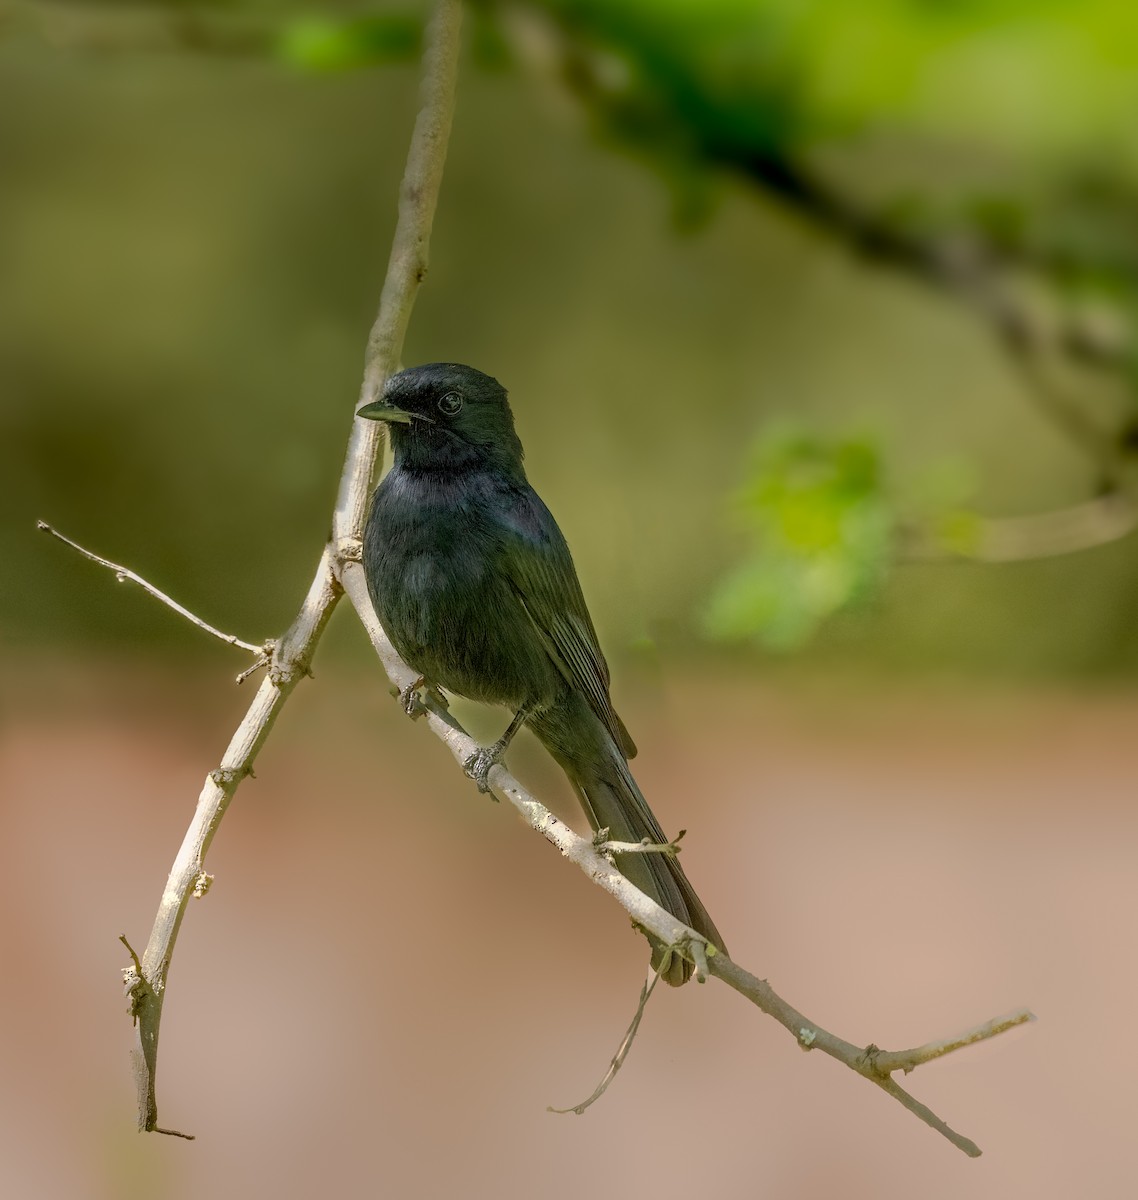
{"x": 473, "y": 582}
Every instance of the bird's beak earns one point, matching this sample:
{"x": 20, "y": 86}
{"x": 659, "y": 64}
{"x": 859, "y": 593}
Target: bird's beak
{"x": 383, "y": 410}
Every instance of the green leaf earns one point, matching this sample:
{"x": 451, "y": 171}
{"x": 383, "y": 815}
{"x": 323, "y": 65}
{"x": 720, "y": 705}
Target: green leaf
{"x": 820, "y": 528}
{"x": 326, "y": 44}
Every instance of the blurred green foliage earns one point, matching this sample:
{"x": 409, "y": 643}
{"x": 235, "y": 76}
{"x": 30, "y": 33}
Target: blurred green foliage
{"x": 820, "y": 526}
{"x": 322, "y": 43}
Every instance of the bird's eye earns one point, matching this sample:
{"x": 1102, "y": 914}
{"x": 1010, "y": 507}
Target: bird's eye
{"x": 450, "y": 404}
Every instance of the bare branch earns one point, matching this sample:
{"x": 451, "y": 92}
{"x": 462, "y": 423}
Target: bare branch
{"x": 885, "y": 1062}
{"x": 1039, "y": 535}
{"x": 644, "y": 846}
{"x": 874, "y": 1064}
{"x": 407, "y": 265}
{"x": 126, "y": 575}
{"x": 290, "y": 664}
{"x": 1097, "y": 522}
{"x": 293, "y": 653}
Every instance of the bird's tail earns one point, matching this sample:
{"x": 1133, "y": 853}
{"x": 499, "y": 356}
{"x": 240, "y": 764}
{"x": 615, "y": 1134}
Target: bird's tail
{"x": 612, "y": 800}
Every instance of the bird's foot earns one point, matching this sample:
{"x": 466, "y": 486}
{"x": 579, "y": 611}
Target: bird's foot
{"x": 479, "y": 765}
{"x": 409, "y": 699}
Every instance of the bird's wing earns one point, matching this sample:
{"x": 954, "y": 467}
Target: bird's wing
{"x": 540, "y": 569}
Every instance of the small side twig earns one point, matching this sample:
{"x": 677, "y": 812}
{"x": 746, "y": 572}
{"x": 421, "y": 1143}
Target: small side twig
{"x": 644, "y": 846}
{"x": 622, "y": 1050}
{"x": 126, "y": 575}
{"x": 886, "y": 1062}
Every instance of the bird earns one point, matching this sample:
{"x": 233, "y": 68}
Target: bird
{"x": 474, "y": 584}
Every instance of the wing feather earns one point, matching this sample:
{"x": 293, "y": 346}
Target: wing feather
{"x": 541, "y": 572}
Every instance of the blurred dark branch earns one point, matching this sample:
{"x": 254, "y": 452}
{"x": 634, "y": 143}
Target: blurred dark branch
{"x": 294, "y": 650}
{"x": 126, "y": 29}
{"x": 676, "y": 118}
{"x": 314, "y": 39}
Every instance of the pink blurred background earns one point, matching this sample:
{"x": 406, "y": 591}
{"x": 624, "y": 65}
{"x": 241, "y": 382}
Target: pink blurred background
{"x": 392, "y": 977}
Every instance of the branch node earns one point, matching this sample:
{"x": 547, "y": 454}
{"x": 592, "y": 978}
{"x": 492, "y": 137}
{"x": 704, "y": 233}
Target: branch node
{"x": 135, "y": 987}
{"x": 190, "y": 1137}
{"x": 201, "y": 885}
{"x": 644, "y": 846}
{"x": 868, "y": 1059}
{"x": 698, "y": 948}
{"x": 807, "y": 1037}
{"x": 262, "y": 660}
{"x": 226, "y": 777}
{"x": 349, "y": 549}
{"x": 410, "y": 699}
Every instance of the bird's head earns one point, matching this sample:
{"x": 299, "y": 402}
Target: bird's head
{"x": 448, "y": 415}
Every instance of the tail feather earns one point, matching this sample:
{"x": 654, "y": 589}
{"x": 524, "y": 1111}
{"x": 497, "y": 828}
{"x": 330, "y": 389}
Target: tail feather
{"x": 612, "y": 800}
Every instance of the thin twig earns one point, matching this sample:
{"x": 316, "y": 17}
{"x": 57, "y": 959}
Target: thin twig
{"x": 622, "y": 1050}
{"x": 126, "y": 575}
{"x": 1083, "y": 526}
{"x": 885, "y": 1062}
{"x": 407, "y": 265}
{"x": 644, "y": 846}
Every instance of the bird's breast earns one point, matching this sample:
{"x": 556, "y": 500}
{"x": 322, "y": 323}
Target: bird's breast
{"x": 433, "y": 560}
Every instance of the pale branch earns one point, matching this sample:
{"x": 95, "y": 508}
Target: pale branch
{"x": 885, "y": 1062}
{"x": 868, "y": 1061}
{"x": 644, "y": 846}
{"x": 126, "y": 575}
{"x": 289, "y": 664}
{"x": 1084, "y": 526}
{"x": 293, "y": 652}
{"x": 407, "y": 265}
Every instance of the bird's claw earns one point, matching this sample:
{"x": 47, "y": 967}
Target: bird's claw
{"x": 409, "y": 699}
{"x": 479, "y": 765}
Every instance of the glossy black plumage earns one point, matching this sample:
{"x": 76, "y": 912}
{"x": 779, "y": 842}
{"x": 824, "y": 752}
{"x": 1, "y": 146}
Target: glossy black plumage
{"x": 474, "y": 583}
